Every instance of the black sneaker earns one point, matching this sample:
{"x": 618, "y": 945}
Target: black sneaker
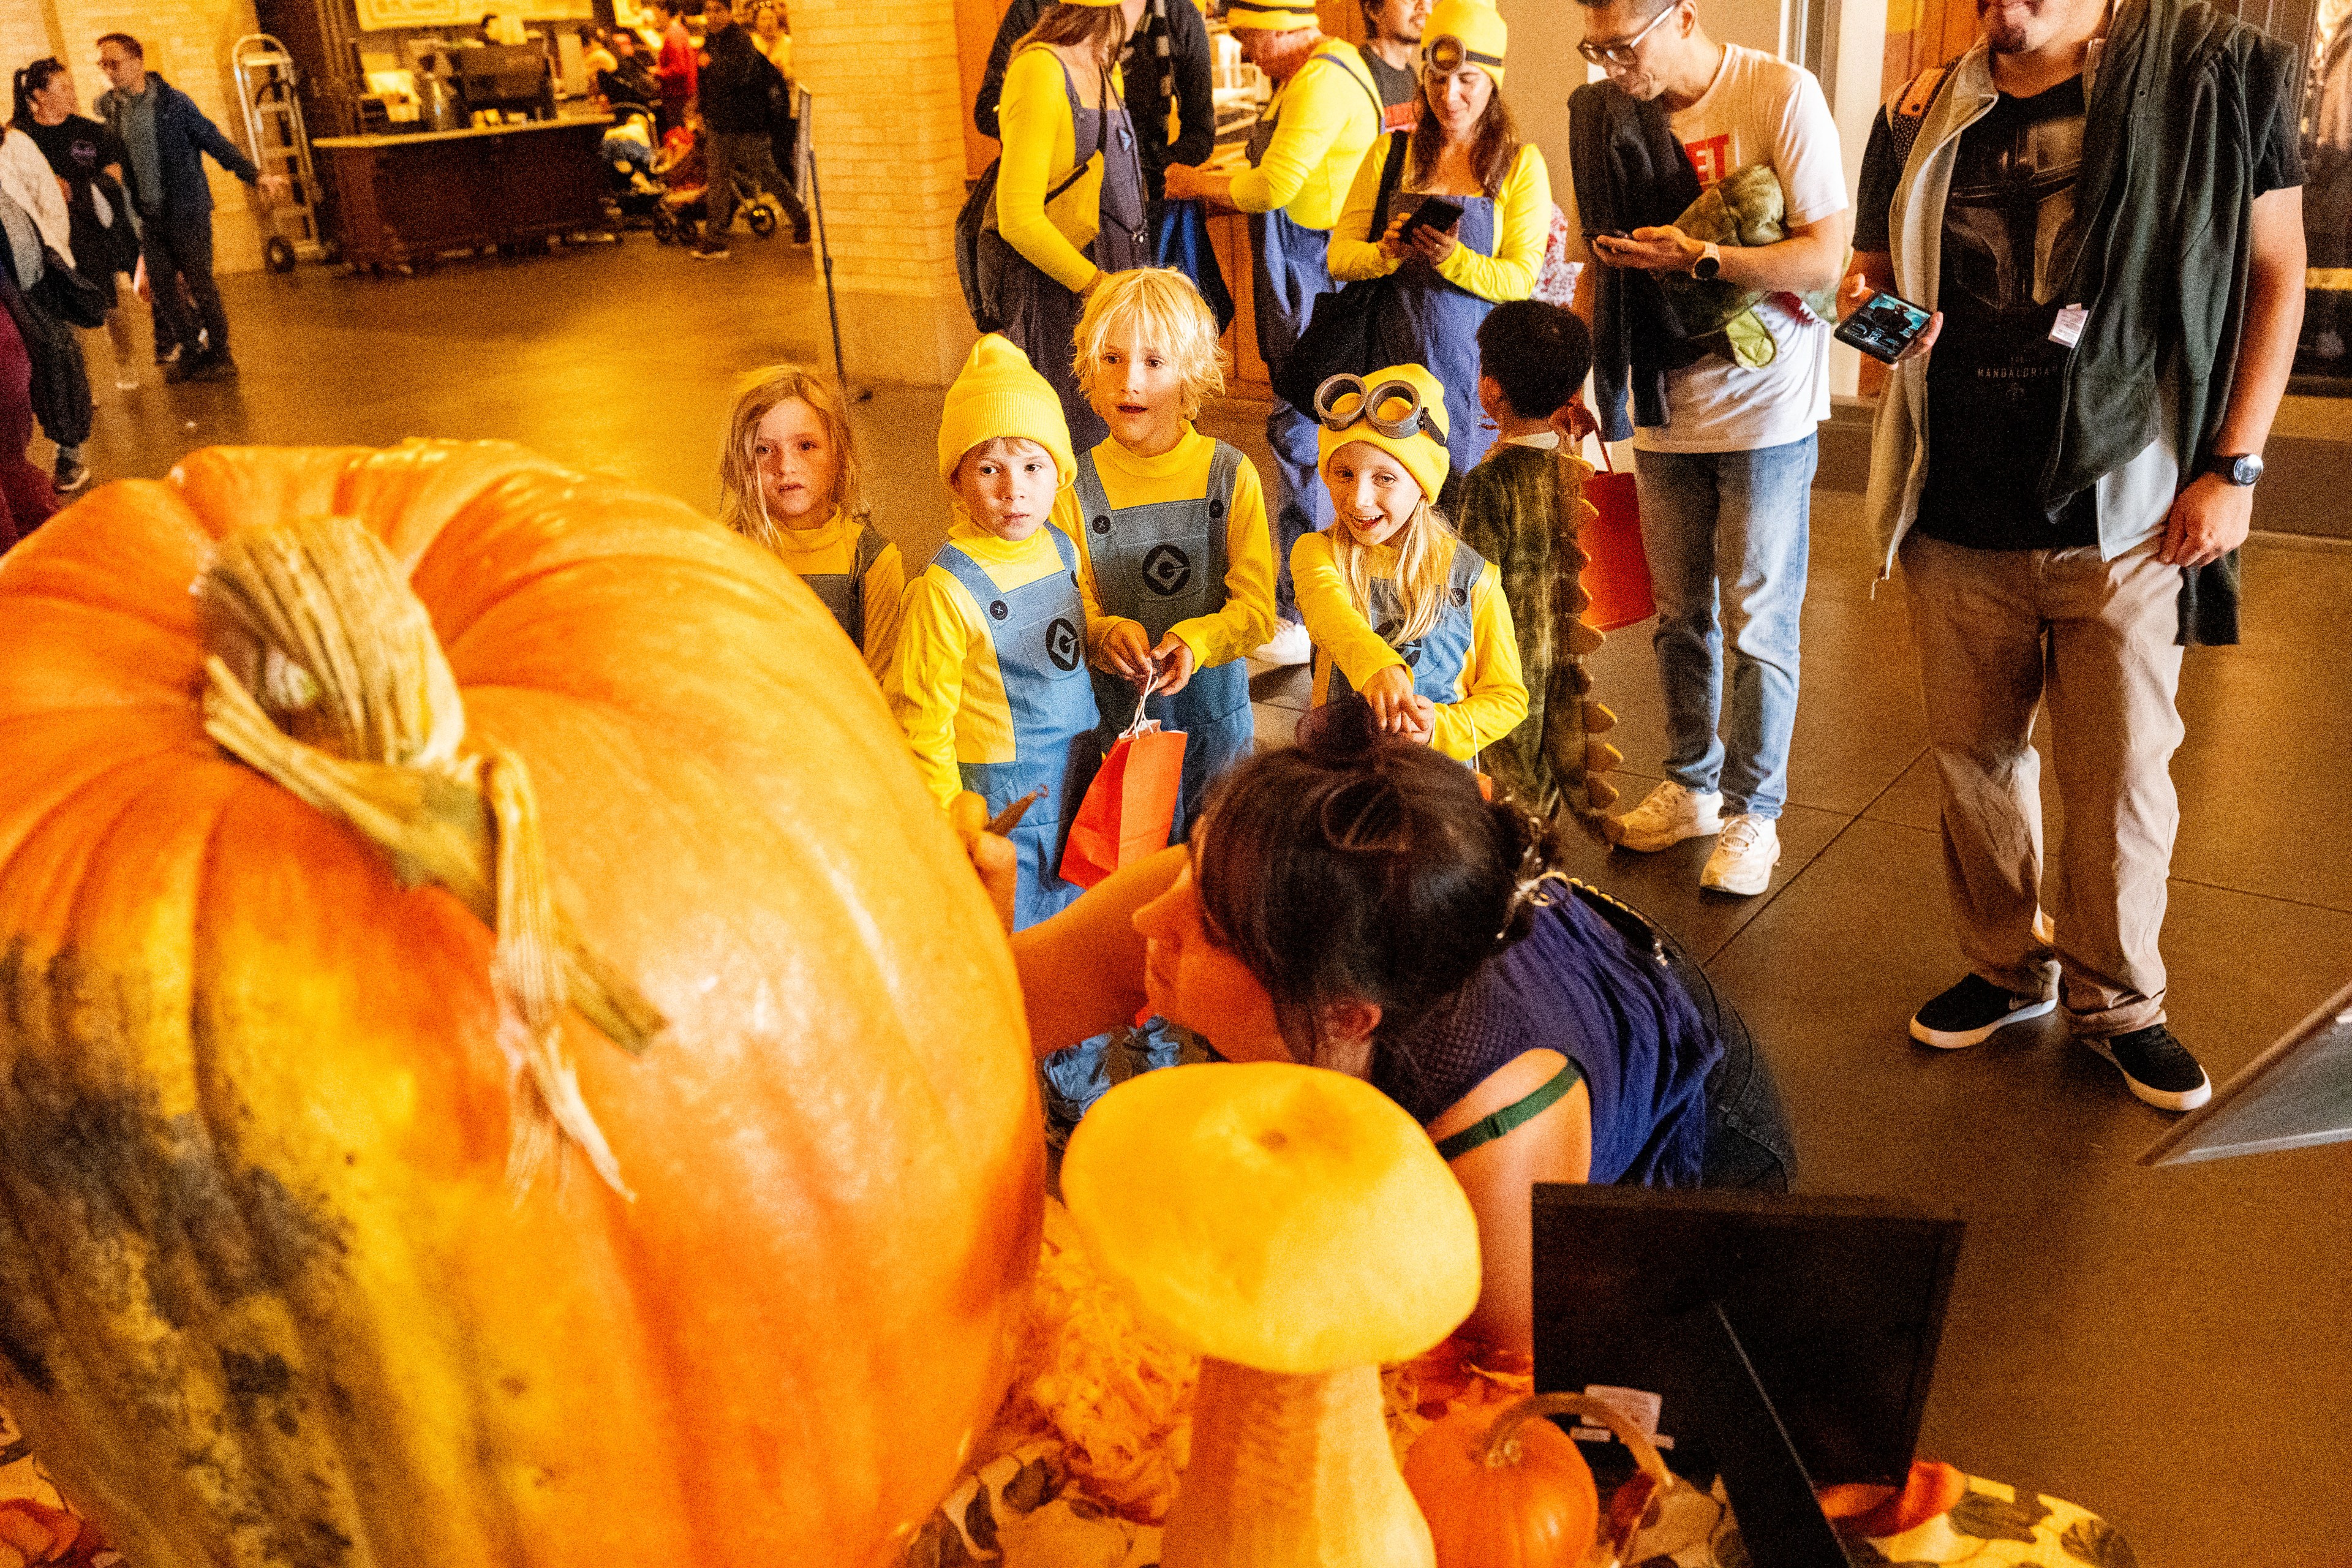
{"x": 214, "y": 367}
{"x": 69, "y": 474}
{"x": 1973, "y": 1011}
{"x": 178, "y": 368}
{"x": 2157, "y": 1067}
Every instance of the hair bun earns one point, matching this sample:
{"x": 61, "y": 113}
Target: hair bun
{"x": 1529, "y": 849}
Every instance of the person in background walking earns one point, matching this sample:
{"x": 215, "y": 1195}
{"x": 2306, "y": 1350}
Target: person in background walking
{"x": 164, "y": 137}
{"x": 675, "y": 71}
{"x": 1167, "y": 77}
{"x": 27, "y": 495}
{"x": 39, "y": 241}
{"x": 771, "y": 32}
{"x": 743, "y": 103}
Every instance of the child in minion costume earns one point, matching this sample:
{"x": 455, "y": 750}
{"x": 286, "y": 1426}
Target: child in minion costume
{"x": 989, "y": 682}
{"x": 1304, "y": 153}
{"x": 1434, "y": 308}
{"x": 1428, "y": 605}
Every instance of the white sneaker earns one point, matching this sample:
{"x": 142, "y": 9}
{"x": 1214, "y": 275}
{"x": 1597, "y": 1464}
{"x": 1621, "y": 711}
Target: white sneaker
{"x": 1668, "y": 815}
{"x": 1288, "y": 644}
{"x": 1744, "y": 857}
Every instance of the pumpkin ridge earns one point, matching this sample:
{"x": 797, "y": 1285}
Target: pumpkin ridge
{"x": 706, "y": 576}
{"x": 73, "y": 798}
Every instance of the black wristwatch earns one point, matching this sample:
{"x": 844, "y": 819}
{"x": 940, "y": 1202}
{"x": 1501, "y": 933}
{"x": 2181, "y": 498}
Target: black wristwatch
{"x": 2241, "y": 470}
{"x": 1709, "y": 262}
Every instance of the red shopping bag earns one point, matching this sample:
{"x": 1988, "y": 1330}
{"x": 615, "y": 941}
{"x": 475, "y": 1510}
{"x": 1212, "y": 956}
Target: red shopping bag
{"x": 1129, "y": 807}
{"x": 1618, "y": 578}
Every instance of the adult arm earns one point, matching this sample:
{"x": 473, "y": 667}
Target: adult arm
{"x": 924, "y": 686}
{"x": 2210, "y": 518}
{"x": 1039, "y": 144}
{"x": 226, "y": 152}
{"x": 1082, "y": 971}
{"x": 1522, "y": 224}
{"x": 1246, "y": 618}
{"x": 886, "y": 593}
{"x": 1196, "y": 106}
{"x": 1554, "y": 1145}
{"x": 1019, "y": 18}
{"x": 1355, "y": 250}
{"x": 1495, "y": 693}
{"x": 1315, "y": 115}
{"x": 1873, "y": 272}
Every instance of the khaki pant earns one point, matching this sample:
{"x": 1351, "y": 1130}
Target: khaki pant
{"x": 1999, "y": 633}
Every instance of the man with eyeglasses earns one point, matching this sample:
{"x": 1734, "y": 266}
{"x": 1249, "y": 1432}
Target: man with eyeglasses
{"x": 1724, "y": 422}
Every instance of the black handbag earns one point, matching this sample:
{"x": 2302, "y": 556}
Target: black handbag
{"x": 1340, "y": 338}
{"x": 66, "y": 294}
{"x": 981, "y": 255}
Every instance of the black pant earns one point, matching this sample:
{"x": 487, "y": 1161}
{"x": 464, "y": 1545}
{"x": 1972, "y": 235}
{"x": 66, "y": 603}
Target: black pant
{"x": 1748, "y": 1142}
{"x": 179, "y": 250}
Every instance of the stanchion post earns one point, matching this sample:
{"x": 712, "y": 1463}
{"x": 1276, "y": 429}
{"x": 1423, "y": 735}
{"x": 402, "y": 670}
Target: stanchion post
{"x": 807, "y": 162}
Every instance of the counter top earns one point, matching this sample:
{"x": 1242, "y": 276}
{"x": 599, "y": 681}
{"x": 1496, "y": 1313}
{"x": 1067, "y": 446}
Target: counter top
{"x": 411, "y": 138}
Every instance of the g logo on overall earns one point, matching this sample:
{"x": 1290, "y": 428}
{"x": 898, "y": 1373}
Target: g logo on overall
{"x": 1063, "y": 645}
{"x": 1167, "y": 570}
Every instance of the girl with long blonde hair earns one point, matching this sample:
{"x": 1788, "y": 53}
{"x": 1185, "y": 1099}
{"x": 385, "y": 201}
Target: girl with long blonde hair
{"x": 1403, "y": 615}
{"x": 789, "y": 477}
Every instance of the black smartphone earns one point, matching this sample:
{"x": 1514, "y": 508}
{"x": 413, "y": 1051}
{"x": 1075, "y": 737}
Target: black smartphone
{"x": 1883, "y": 327}
{"x": 1435, "y": 212}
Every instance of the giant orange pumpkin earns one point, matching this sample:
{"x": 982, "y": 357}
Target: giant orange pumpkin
{"x": 269, "y": 1293}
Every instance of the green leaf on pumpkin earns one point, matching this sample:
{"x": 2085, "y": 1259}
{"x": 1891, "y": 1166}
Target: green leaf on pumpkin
{"x": 1987, "y": 1516}
{"x": 2097, "y": 1543}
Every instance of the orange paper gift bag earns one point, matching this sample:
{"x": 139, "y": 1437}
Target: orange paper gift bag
{"x": 1131, "y": 804}
{"x": 1618, "y": 577}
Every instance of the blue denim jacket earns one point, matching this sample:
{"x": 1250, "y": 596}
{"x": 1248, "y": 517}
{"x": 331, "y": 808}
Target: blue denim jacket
{"x": 183, "y": 135}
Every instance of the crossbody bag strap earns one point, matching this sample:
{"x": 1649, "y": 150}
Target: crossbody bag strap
{"x": 1391, "y": 175}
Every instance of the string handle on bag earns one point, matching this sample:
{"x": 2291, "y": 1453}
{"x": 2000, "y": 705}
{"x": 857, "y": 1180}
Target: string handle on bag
{"x": 1150, "y": 685}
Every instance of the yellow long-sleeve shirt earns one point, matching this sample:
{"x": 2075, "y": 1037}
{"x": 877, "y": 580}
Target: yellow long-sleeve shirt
{"x": 945, "y": 688}
{"x": 1493, "y": 696}
{"x": 832, "y": 551}
{"x": 1522, "y": 224}
{"x": 1325, "y": 116}
{"x": 1041, "y": 149}
{"x": 1181, "y": 473}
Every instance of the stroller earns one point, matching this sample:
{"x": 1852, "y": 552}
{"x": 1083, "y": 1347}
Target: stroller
{"x": 632, "y": 194}
{"x": 684, "y": 206}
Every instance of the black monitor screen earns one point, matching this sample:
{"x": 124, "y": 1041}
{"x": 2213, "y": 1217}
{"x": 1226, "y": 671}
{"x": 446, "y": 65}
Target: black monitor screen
{"x": 1837, "y": 1303}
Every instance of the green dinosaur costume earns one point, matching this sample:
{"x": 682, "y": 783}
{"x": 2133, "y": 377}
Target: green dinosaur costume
{"x": 1522, "y": 508}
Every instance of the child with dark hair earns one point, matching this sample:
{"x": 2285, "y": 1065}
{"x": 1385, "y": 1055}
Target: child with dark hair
{"x": 1521, "y": 509}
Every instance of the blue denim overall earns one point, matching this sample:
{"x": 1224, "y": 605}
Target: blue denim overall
{"x": 1039, "y": 633}
{"x": 1158, "y": 564}
{"x": 1439, "y": 658}
{"x": 1430, "y": 323}
{"x": 843, "y": 593}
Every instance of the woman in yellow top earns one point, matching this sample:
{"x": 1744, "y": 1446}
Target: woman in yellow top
{"x": 1467, "y": 150}
{"x": 1403, "y": 615}
{"x": 788, "y": 478}
{"x": 1069, "y": 186}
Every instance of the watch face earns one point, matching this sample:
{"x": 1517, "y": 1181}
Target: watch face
{"x": 2240, "y": 470}
{"x": 1705, "y": 267}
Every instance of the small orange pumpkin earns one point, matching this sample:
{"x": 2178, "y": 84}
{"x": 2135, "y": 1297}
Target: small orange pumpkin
{"x": 268, "y": 1294}
{"x": 1507, "y": 1490}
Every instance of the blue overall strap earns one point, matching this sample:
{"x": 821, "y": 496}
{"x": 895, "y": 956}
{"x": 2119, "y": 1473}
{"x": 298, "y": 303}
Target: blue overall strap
{"x": 844, "y": 593}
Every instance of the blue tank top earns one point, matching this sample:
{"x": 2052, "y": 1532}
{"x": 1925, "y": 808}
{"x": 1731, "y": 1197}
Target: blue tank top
{"x": 1573, "y": 986}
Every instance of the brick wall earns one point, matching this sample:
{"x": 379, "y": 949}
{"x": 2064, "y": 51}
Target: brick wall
{"x": 890, "y": 159}
{"x": 187, "y": 42}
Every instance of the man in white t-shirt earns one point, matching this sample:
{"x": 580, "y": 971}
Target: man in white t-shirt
{"x": 1724, "y": 453}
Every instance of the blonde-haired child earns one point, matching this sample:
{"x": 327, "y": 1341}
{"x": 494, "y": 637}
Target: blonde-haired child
{"x": 1171, "y": 526}
{"x": 989, "y": 683}
{"x": 1402, "y": 613}
{"x": 788, "y": 477}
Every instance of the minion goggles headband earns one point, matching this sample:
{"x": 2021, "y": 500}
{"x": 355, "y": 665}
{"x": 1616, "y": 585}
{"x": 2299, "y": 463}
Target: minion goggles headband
{"x": 1415, "y": 421}
{"x": 1449, "y": 54}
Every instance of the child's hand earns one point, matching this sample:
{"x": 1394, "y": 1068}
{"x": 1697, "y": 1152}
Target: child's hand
{"x": 1126, "y": 651}
{"x": 1174, "y": 658}
{"x": 1390, "y": 693}
{"x": 994, "y": 858}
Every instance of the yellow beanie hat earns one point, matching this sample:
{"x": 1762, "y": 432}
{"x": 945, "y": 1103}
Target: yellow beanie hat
{"x": 1423, "y": 453}
{"x": 999, "y": 392}
{"x": 1465, "y": 31}
{"x": 1268, "y": 17}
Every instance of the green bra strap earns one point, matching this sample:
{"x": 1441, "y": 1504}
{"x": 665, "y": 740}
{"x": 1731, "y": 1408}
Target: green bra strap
{"x": 1511, "y": 1115}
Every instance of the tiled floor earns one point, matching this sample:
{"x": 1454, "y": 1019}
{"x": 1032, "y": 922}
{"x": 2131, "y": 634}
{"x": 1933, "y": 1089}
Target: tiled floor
{"x": 2172, "y": 1348}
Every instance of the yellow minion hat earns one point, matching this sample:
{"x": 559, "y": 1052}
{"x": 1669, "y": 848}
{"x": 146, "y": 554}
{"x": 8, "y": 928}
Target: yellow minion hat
{"x": 999, "y": 392}
{"x": 1268, "y": 15}
{"x": 1409, "y": 398}
{"x": 1465, "y": 31}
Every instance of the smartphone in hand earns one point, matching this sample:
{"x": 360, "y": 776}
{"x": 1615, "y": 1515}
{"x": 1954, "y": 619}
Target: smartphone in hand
{"x": 1883, "y": 327}
{"x": 1435, "y": 213}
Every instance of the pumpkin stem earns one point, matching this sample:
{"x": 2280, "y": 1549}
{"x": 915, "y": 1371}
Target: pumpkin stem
{"x": 325, "y": 677}
{"x": 1501, "y": 1445}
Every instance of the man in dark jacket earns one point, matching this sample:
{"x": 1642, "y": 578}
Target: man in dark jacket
{"x": 166, "y": 136}
{"x": 2106, "y": 221}
{"x": 1167, "y": 64}
{"x": 743, "y": 97}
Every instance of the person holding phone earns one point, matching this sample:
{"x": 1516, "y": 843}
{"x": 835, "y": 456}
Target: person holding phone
{"x": 2069, "y": 518}
{"x": 1463, "y": 228}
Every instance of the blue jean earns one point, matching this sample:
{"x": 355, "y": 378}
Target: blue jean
{"x": 1740, "y": 522}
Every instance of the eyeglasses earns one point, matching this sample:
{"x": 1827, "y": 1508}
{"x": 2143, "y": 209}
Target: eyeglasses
{"x": 1368, "y": 401}
{"x": 1622, "y": 54}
